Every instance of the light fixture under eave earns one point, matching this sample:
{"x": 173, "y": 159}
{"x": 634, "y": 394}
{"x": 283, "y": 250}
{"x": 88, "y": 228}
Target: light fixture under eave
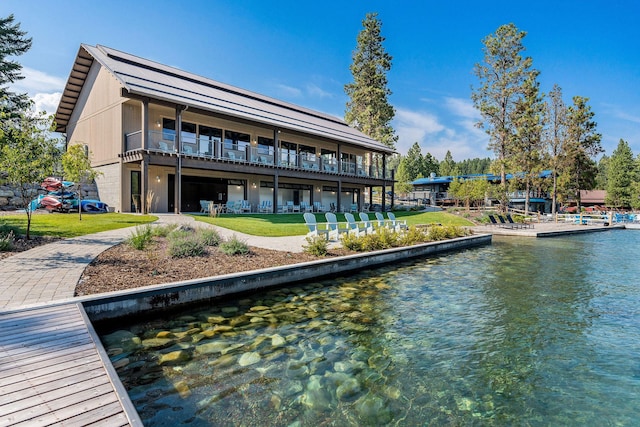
{"x": 158, "y": 178}
{"x": 158, "y": 123}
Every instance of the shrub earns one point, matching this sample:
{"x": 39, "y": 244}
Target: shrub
{"x": 316, "y": 246}
{"x": 413, "y": 236}
{"x": 209, "y": 236}
{"x": 234, "y": 246}
{"x": 388, "y": 238}
{"x": 6, "y": 241}
{"x": 141, "y": 237}
{"x": 437, "y": 232}
{"x": 351, "y": 242}
{"x": 370, "y": 242}
{"x": 164, "y": 230}
{"x": 184, "y": 244}
{"x": 6, "y": 229}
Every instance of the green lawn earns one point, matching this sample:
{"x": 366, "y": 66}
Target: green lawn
{"x": 293, "y": 224}
{"x": 69, "y": 225}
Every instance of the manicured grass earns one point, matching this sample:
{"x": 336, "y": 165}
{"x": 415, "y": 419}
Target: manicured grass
{"x": 271, "y": 225}
{"x": 68, "y": 225}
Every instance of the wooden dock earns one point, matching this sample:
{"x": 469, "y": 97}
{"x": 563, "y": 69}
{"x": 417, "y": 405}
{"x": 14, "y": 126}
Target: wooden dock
{"x": 52, "y": 372}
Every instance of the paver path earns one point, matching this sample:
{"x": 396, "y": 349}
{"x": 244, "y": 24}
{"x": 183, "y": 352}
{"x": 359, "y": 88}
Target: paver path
{"x": 50, "y": 272}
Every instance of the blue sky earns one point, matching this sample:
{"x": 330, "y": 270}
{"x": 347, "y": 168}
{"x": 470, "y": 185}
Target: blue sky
{"x": 301, "y": 51}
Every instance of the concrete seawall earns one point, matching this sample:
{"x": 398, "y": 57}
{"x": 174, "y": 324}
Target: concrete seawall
{"x": 125, "y": 303}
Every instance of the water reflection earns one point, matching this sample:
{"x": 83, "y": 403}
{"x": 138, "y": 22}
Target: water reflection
{"x": 527, "y": 331}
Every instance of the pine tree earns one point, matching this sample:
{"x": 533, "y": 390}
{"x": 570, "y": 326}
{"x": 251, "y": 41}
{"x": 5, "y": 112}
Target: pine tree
{"x": 583, "y": 144}
{"x": 528, "y": 144}
{"x": 621, "y": 173}
{"x": 501, "y": 75}
{"x": 368, "y": 108}
{"x": 414, "y": 161}
{"x": 13, "y": 42}
{"x": 556, "y": 139}
{"x": 448, "y": 165}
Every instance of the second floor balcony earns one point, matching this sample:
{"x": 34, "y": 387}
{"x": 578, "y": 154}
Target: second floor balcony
{"x": 215, "y": 149}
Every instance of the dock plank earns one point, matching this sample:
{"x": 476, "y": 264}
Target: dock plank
{"x": 53, "y": 371}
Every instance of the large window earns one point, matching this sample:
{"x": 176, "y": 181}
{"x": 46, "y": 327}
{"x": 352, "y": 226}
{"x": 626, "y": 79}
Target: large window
{"x": 288, "y": 153}
{"x": 236, "y": 140}
{"x": 188, "y": 135}
{"x": 208, "y": 139}
{"x": 265, "y": 146}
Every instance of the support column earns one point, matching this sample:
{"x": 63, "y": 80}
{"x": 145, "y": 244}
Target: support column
{"x": 144, "y": 183}
{"x": 178, "y": 148}
{"x": 275, "y": 193}
{"x": 144, "y": 164}
{"x": 338, "y": 203}
{"x": 384, "y": 183}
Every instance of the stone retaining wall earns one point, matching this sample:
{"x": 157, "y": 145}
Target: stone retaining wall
{"x": 10, "y": 196}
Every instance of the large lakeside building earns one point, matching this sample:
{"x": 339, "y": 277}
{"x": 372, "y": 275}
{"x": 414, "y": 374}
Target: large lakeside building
{"x": 168, "y": 139}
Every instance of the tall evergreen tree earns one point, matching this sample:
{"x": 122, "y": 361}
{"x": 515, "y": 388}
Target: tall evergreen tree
{"x": 601, "y": 178}
{"x": 583, "y": 145}
{"x": 528, "y": 144}
{"x": 368, "y": 108}
{"x": 556, "y": 139}
{"x": 414, "y": 162}
{"x": 13, "y": 42}
{"x": 501, "y": 75}
{"x": 621, "y": 173}
{"x": 448, "y": 165}
{"x": 429, "y": 165}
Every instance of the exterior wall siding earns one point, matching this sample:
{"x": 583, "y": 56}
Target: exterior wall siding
{"x": 108, "y": 183}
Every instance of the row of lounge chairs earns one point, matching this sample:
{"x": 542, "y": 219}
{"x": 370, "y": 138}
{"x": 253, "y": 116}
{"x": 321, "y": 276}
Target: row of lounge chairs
{"x": 332, "y": 229}
{"x": 507, "y": 222}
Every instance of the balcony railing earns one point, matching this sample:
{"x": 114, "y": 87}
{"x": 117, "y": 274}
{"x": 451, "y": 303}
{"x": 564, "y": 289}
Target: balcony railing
{"x": 214, "y": 149}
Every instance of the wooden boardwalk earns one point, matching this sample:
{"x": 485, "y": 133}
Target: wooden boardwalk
{"x": 53, "y": 373}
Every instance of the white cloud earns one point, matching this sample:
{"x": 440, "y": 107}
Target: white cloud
{"x": 462, "y": 107}
{"x": 459, "y": 135}
{"x": 36, "y": 82}
{"x": 288, "y": 91}
{"x": 316, "y": 91}
{"x": 47, "y": 101}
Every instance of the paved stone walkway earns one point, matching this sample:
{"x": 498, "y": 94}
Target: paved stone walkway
{"x": 50, "y": 272}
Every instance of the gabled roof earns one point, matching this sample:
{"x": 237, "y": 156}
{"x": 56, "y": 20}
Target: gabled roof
{"x": 142, "y": 77}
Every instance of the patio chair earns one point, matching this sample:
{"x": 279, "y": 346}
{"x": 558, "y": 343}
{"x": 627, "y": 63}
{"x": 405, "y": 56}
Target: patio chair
{"x": 332, "y": 207}
{"x": 204, "y": 206}
{"x": 334, "y": 226}
{"x": 265, "y": 206}
{"x": 318, "y": 207}
{"x": 505, "y": 224}
{"x": 493, "y": 220}
{"x": 314, "y": 227}
{"x": 381, "y": 222}
{"x": 398, "y": 224}
{"x": 366, "y": 222}
{"x": 289, "y": 206}
{"x": 232, "y": 207}
{"x": 517, "y": 224}
{"x": 305, "y": 207}
{"x": 353, "y": 226}
{"x": 354, "y": 208}
{"x": 245, "y": 206}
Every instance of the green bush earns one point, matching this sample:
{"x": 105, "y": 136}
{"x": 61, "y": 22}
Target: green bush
{"x": 6, "y": 229}
{"x": 437, "y": 232}
{"x": 209, "y": 236}
{"x": 352, "y": 242}
{"x": 388, "y": 238}
{"x": 6, "y": 241}
{"x": 316, "y": 246}
{"x": 413, "y": 236}
{"x": 164, "y": 230}
{"x": 234, "y": 246}
{"x": 185, "y": 245}
{"x": 141, "y": 237}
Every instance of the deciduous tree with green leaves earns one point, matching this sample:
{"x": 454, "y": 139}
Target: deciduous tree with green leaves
{"x": 621, "y": 173}
{"x": 76, "y": 163}
{"x": 368, "y": 108}
{"x": 28, "y": 155}
{"x": 502, "y": 75}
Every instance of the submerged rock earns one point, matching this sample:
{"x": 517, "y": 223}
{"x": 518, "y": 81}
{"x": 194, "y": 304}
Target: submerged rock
{"x": 121, "y": 339}
{"x": 349, "y": 389}
{"x": 174, "y": 357}
{"x": 249, "y": 358}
